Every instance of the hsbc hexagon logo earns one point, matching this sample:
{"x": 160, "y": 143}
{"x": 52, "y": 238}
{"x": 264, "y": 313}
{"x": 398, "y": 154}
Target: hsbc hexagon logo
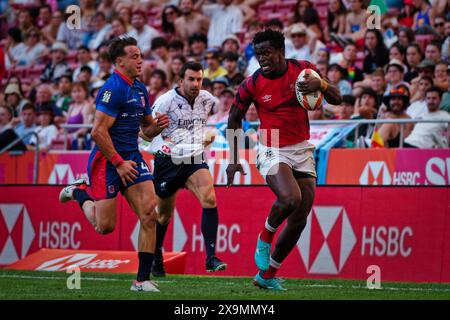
{"x": 61, "y": 174}
{"x": 375, "y": 173}
{"x": 16, "y": 232}
{"x": 327, "y": 240}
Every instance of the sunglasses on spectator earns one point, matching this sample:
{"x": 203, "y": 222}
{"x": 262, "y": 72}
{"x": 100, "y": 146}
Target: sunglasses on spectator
{"x": 439, "y": 24}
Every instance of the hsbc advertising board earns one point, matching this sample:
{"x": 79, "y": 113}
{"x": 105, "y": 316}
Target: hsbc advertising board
{"x": 348, "y": 230}
{"x": 389, "y": 167}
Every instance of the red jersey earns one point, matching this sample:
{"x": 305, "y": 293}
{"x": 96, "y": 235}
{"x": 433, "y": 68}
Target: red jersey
{"x": 277, "y": 105}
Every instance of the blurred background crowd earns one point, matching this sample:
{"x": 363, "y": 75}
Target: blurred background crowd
{"x": 391, "y": 63}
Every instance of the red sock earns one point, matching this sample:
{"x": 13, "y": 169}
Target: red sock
{"x": 266, "y": 235}
{"x": 270, "y": 273}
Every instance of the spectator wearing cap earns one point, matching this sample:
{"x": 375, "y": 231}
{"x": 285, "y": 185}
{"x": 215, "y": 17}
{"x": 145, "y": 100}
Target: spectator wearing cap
{"x": 430, "y": 135}
{"x": 46, "y": 131}
{"x": 14, "y": 47}
{"x": 225, "y": 101}
{"x": 445, "y": 103}
{"x": 395, "y": 70}
{"x": 218, "y": 85}
{"x": 303, "y": 47}
{"x": 418, "y": 104}
{"x": 347, "y": 108}
{"x": 63, "y": 97}
{"x": 214, "y": 69}
{"x": 84, "y": 58}
{"x": 396, "y": 102}
{"x": 35, "y": 50}
{"x": 198, "y": 42}
{"x": 14, "y": 98}
{"x": 336, "y": 75}
{"x": 142, "y": 32}
{"x": 413, "y": 58}
{"x": 190, "y": 21}
{"x": 27, "y": 122}
{"x": 226, "y": 18}
{"x": 57, "y": 66}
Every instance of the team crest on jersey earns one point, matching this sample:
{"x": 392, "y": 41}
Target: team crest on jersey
{"x": 111, "y": 189}
{"x": 267, "y": 98}
{"x": 106, "y": 96}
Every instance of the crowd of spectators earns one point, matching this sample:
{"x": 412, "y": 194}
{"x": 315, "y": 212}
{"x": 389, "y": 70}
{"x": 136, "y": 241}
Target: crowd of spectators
{"x": 50, "y": 73}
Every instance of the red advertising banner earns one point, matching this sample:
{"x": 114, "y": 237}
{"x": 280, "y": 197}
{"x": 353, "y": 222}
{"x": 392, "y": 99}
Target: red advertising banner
{"x": 388, "y": 167}
{"x": 63, "y": 167}
{"x": 405, "y": 231}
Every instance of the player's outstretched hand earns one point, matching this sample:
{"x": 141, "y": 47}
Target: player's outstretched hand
{"x": 162, "y": 121}
{"x": 231, "y": 171}
{"x": 309, "y": 86}
{"x": 127, "y": 171}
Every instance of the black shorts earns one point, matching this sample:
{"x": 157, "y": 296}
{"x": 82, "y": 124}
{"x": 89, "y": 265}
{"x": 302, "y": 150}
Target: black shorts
{"x": 169, "y": 177}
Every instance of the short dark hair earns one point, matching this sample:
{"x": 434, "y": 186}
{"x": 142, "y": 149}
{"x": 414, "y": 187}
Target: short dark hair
{"x": 100, "y": 14}
{"x": 275, "y": 38}
{"x": 427, "y": 78}
{"x": 160, "y": 73}
{"x": 230, "y": 56}
{"x": 435, "y": 43}
{"x": 274, "y": 23}
{"x": 191, "y": 65}
{"x": 159, "y": 42}
{"x": 83, "y": 47}
{"x": 28, "y": 106}
{"x": 65, "y": 76}
{"x": 176, "y": 44}
{"x": 117, "y": 47}
{"x": 434, "y": 89}
{"x": 198, "y": 36}
{"x": 86, "y": 68}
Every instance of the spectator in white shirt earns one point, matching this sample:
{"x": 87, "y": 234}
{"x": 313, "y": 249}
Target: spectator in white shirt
{"x": 226, "y": 18}
{"x": 430, "y": 135}
{"x": 418, "y": 109}
{"x": 47, "y": 131}
{"x": 142, "y": 32}
{"x": 101, "y": 30}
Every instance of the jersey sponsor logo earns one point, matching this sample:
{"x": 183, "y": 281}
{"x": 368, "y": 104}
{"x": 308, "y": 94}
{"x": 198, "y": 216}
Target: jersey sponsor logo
{"x": 106, "y": 96}
{"x": 190, "y": 122}
{"x": 267, "y": 98}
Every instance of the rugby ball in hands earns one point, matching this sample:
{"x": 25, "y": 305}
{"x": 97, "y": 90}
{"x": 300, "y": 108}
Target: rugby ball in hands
{"x": 310, "y": 101}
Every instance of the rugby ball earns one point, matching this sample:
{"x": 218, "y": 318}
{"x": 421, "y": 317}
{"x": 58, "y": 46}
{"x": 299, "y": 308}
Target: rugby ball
{"x": 310, "y": 101}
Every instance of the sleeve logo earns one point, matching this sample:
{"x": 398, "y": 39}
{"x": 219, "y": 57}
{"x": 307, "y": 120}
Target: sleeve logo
{"x": 106, "y": 96}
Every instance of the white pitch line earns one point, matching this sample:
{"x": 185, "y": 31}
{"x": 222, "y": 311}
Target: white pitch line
{"x": 63, "y": 278}
{"x": 331, "y": 286}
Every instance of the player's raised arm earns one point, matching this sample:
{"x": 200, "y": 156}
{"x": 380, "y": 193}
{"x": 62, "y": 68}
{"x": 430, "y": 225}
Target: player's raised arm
{"x": 233, "y": 132}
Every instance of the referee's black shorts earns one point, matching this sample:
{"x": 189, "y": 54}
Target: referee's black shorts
{"x": 171, "y": 175}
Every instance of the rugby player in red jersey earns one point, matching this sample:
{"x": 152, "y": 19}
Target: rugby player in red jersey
{"x": 285, "y": 157}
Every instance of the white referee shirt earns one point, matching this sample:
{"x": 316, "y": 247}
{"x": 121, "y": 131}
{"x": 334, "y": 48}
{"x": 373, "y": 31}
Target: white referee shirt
{"x": 185, "y": 135}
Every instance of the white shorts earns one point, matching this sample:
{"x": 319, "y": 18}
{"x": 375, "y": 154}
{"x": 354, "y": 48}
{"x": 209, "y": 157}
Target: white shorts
{"x": 298, "y": 156}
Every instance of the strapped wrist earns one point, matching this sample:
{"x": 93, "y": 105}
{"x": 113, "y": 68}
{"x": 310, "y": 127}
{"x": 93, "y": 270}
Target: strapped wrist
{"x": 323, "y": 85}
{"x": 116, "y": 160}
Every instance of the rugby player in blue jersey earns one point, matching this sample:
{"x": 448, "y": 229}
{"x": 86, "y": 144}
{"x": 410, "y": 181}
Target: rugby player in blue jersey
{"x": 115, "y": 163}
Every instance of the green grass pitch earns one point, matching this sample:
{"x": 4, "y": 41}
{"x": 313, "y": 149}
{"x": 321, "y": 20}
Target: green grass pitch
{"x": 53, "y": 285}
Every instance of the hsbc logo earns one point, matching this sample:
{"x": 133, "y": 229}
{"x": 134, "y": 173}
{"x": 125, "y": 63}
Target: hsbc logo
{"x": 375, "y": 173}
{"x": 16, "y": 232}
{"x": 61, "y": 174}
{"x": 327, "y": 240}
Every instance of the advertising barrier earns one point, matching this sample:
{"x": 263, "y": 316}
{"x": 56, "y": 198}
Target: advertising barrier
{"x": 405, "y": 231}
{"x": 389, "y": 167}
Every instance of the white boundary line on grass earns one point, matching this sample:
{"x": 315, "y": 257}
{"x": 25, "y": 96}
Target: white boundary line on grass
{"x": 331, "y": 286}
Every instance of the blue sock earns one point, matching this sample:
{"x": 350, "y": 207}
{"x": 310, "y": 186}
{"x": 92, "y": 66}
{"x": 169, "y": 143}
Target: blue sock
{"x": 160, "y": 235}
{"x": 210, "y": 224}
{"x": 81, "y": 196}
{"x": 145, "y": 266}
